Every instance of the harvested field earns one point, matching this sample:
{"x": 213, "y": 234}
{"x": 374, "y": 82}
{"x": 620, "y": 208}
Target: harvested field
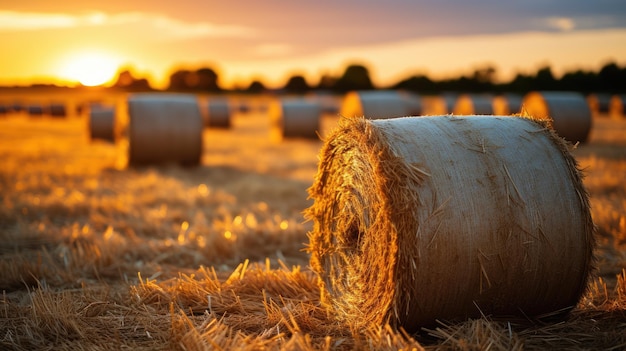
{"x": 215, "y": 257}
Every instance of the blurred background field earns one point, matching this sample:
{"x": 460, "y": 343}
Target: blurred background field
{"x": 95, "y": 255}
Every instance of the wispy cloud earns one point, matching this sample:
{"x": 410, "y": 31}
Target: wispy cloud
{"x": 167, "y": 27}
{"x": 563, "y": 24}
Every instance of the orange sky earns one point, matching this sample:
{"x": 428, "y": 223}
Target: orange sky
{"x": 56, "y": 42}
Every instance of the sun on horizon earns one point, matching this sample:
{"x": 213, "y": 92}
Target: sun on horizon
{"x": 90, "y": 68}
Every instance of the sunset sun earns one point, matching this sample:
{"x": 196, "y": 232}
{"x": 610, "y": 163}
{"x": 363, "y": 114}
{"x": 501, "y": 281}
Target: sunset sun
{"x": 90, "y": 69}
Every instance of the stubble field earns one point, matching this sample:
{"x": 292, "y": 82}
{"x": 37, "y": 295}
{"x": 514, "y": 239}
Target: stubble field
{"x": 98, "y": 256}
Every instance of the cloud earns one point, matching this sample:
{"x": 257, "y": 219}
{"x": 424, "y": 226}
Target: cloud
{"x": 563, "y": 24}
{"x": 273, "y": 49}
{"x": 167, "y": 27}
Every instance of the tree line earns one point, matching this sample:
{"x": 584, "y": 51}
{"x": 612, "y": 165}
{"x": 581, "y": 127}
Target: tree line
{"x": 610, "y": 78}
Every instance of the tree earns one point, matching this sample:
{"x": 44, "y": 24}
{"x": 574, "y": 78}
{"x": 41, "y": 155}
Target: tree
{"x": 127, "y": 81}
{"x": 207, "y": 80}
{"x": 256, "y": 87}
{"x": 297, "y": 84}
{"x": 356, "y": 77}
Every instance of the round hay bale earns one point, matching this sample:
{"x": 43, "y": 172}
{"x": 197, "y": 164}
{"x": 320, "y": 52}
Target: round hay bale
{"x": 413, "y": 103}
{"x": 616, "y": 108}
{"x": 471, "y": 104}
{"x": 568, "y": 111}
{"x": 374, "y": 104}
{"x": 507, "y": 104}
{"x": 444, "y": 218}
{"x": 164, "y": 128}
{"x": 295, "y": 118}
{"x": 599, "y": 103}
{"x": 218, "y": 113}
{"x": 57, "y": 109}
{"x": 102, "y": 122}
{"x": 35, "y": 110}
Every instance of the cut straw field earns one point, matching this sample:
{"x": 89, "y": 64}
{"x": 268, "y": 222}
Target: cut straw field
{"x": 96, "y": 256}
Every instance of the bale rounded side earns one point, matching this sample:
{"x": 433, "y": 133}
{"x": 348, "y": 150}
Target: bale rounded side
{"x": 374, "y": 104}
{"x": 164, "y": 128}
{"x": 569, "y": 112}
{"x": 473, "y": 104}
{"x": 218, "y": 113}
{"x": 295, "y": 118}
{"x": 443, "y": 218}
{"x": 102, "y": 122}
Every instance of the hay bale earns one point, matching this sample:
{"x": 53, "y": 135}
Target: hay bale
{"x": 568, "y": 111}
{"x": 35, "y": 110}
{"x": 411, "y": 227}
{"x": 164, "y": 128}
{"x": 57, "y": 109}
{"x": 599, "y": 103}
{"x": 218, "y": 113}
{"x": 102, "y": 122}
{"x": 507, "y": 104}
{"x": 294, "y": 118}
{"x": 413, "y": 103}
{"x": 374, "y": 104}
{"x": 473, "y": 104}
{"x": 616, "y": 106}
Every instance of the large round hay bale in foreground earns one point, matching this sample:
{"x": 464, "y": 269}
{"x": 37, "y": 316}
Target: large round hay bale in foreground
{"x": 568, "y": 111}
{"x": 102, "y": 122}
{"x": 411, "y": 227}
{"x": 473, "y": 104}
{"x": 295, "y": 118}
{"x": 374, "y": 104}
{"x": 218, "y": 113}
{"x": 164, "y": 128}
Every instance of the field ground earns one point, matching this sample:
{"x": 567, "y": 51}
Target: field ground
{"x": 94, "y": 256}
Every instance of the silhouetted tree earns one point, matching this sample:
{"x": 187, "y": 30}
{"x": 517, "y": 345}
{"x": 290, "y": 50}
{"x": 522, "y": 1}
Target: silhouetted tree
{"x": 297, "y": 84}
{"x": 419, "y": 84}
{"x": 207, "y": 80}
{"x": 544, "y": 79}
{"x": 179, "y": 80}
{"x": 256, "y": 87}
{"x": 203, "y": 79}
{"x": 356, "y": 77}
{"x": 127, "y": 81}
{"x": 326, "y": 82}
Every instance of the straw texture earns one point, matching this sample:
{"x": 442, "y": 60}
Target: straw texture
{"x": 164, "y": 128}
{"x": 569, "y": 112}
{"x": 420, "y": 219}
{"x": 295, "y": 118}
{"x": 473, "y": 104}
{"x": 375, "y": 104}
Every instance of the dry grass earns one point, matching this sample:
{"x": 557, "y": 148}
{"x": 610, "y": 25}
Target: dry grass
{"x": 168, "y": 258}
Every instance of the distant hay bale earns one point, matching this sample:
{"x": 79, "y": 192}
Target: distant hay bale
{"x": 102, "y": 122}
{"x": 374, "y": 104}
{"x": 410, "y": 227}
{"x": 295, "y": 118}
{"x": 35, "y": 110}
{"x": 568, "y": 111}
{"x": 57, "y": 109}
{"x": 473, "y": 104}
{"x": 164, "y": 128}
{"x": 507, "y": 104}
{"x": 413, "y": 103}
{"x": 616, "y": 108}
{"x": 599, "y": 103}
{"x": 218, "y": 113}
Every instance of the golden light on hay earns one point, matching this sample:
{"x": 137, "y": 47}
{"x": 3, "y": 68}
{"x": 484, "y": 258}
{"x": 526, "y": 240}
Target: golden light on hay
{"x": 411, "y": 227}
{"x": 90, "y": 69}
